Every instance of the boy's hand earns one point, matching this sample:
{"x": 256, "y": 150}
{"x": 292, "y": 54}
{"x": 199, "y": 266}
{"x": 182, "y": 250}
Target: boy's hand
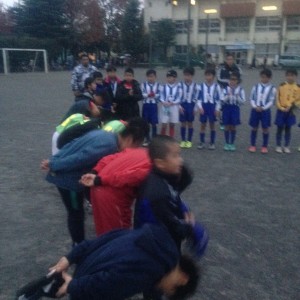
{"x": 88, "y": 180}
{"x": 217, "y": 113}
{"x": 166, "y": 104}
{"x": 45, "y": 165}
{"x": 259, "y": 109}
{"x": 63, "y": 289}
{"x": 201, "y": 110}
{"x": 77, "y": 93}
{"x": 181, "y": 110}
{"x": 130, "y": 92}
{"x": 189, "y": 217}
{"x": 62, "y": 265}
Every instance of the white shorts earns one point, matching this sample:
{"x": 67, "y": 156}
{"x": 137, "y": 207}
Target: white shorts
{"x": 169, "y": 114}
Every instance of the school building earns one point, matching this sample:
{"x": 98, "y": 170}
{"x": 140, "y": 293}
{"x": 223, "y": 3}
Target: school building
{"x": 248, "y": 29}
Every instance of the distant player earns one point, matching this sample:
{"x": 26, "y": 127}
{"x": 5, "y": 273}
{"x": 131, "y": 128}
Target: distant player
{"x": 288, "y": 95}
{"x": 233, "y": 97}
{"x": 262, "y": 98}
{"x": 187, "y": 107}
{"x": 170, "y": 98}
{"x": 209, "y": 106}
{"x": 151, "y": 94}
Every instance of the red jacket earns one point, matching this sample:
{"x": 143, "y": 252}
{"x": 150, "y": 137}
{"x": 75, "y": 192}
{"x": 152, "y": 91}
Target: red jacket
{"x": 121, "y": 174}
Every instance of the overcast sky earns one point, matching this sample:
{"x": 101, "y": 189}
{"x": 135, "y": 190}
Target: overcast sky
{"x": 8, "y": 2}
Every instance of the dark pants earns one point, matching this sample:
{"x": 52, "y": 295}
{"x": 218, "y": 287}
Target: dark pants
{"x": 73, "y": 202}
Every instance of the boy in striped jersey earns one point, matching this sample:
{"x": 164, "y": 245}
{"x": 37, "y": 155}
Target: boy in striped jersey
{"x": 170, "y": 98}
{"x": 187, "y": 106}
{"x": 262, "y": 98}
{"x": 233, "y": 96}
{"x": 209, "y": 107}
{"x": 151, "y": 93}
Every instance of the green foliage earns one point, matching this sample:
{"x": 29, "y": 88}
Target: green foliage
{"x": 163, "y": 34}
{"x": 132, "y": 29}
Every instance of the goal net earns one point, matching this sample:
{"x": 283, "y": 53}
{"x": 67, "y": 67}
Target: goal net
{"x": 23, "y": 60}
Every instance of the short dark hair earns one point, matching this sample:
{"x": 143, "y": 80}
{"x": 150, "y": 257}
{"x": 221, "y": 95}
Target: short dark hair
{"x": 189, "y": 71}
{"x": 111, "y": 69}
{"x": 129, "y": 70}
{"x": 291, "y": 72}
{"x": 88, "y": 81}
{"x": 210, "y": 72}
{"x": 266, "y": 72}
{"x": 151, "y": 72}
{"x": 236, "y": 75}
{"x": 159, "y": 146}
{"x": 229, "y": 54}
{"x": 83, "y": 54}
{"x": 97, "y": 74}
{"x": 188, "y": 266}
{"x": 138, "y": 128}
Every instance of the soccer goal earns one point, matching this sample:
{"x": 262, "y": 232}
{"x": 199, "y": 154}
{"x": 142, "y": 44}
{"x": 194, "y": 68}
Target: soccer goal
{"x": 23, "y": 60}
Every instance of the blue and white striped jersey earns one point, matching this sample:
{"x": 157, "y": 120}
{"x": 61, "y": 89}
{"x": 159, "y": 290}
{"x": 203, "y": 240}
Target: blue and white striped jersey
{"x": 209, "y": 94}
{"x": 151, "y": 92}
{"x": 263, "y": 95}
{"x": 171, "y": 93}
{"x": 233, "y": 96}
{"x": 189, "y": 92}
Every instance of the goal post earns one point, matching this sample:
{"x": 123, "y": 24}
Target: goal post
{"x": 29, "y": 66}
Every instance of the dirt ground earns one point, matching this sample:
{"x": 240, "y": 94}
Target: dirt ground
{"x": 249, "y": 202}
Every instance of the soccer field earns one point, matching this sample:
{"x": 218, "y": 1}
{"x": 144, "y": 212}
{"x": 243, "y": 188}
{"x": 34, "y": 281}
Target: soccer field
{"x": 248, "y": 202}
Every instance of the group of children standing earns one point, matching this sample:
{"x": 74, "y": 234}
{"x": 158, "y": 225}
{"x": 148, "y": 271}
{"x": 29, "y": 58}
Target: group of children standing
{"x": 181, "y": 101}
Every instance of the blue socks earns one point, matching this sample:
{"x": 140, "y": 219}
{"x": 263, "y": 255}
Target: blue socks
{"x": 253, "y": 137}
{"x": 212, "y": 136}
{"x": 190, "y": 134}
{"x": 265, "y": 139}
{"x": 202, "y": 138}
{"x": 183, "y": 133}
{"x": 154, "y": 131}
{"x": 226, "y": 135}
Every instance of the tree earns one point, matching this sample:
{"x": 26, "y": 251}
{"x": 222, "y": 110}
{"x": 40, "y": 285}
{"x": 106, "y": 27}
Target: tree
{"x": 113, "y": 15}
{"x": 6, "y": 23}
{"x": 164, "y": 33}
{"x": 132, "y": 30}
{"x": 41, "y": 18}
{"x": 86, "y": 23}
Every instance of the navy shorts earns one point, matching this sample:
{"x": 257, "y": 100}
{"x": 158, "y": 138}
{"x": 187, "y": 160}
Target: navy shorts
{"x": 150, "y": 113}
{"x": 285, "y": 118}
{"x": 231, "y": 115}
{"x": 209, "y": 113}
{"x": 188, "y": 114}
{"x": 264, "y": 117}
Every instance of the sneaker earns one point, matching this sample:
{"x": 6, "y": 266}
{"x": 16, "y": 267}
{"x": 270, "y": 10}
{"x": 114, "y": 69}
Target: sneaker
{"x": 299, "y": 149}
{"x": 145, "y": 144}
{"x": 221, "y": 127}
{"x": 211, "y": 147}
{"x": 200, "y": 146}
{"x": 183, "y": 144}
{"x": 45, "y": 286}
{"x": 278, "y": 149}
{"x": 227, "y": 147}
{"x": 264, "y": 150}
{"x": 232, "y": 147}
{"x": 188, "y": 144}
{"x": 252, "y": 149}
{"x": 286, "y": 150}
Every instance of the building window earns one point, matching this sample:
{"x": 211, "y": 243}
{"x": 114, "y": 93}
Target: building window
{"x": 238, "y": 25}
{"x": 263, "y": 50}
{"x": 293, "y": 23}
{"x": 213, "y": 25}
{"x": 267, "y": 24}
{"x": 182, "y": 25}
{"x": 180, "y": 49}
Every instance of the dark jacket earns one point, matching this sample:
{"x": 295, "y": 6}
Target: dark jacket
{"x": 122, "y": 263}
{"x": 224, "y": 73}
{"x": 159, "y": 202}
{"x": 127, "y": 105}
{"x": 79, "y": 157}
